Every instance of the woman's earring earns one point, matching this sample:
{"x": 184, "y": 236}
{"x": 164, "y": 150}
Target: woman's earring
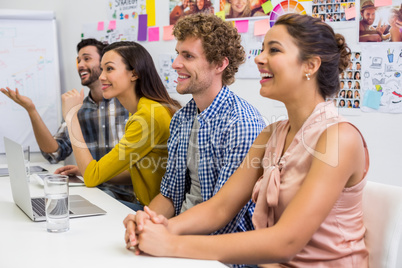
{"x": 308, "y": 76}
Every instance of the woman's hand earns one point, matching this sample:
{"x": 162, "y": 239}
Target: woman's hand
{"x": 155, "y": 239}
{"x": 71, "y": 103}
{"x": 68, "y": 170}
{"x": 134, "y": 224}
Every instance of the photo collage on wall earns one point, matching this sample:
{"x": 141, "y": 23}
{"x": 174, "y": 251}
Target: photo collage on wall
{"x": 331, "y": 10}
{"x": 350, "y": 84}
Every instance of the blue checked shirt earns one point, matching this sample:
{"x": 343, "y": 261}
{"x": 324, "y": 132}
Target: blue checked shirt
{"x": 102, "y": 127}
{"x": 228, "y": 128}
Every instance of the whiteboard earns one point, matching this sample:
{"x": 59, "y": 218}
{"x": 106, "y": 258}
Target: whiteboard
{"x": 28, "y": 61}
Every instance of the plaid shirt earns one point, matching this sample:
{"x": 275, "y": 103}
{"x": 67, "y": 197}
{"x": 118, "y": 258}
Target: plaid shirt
{"x": 102, "y": 127}
{"x": 228, "y": 128}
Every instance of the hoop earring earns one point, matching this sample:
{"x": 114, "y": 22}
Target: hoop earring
{"x": 308, "y": 76}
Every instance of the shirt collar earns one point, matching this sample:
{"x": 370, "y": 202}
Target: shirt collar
{"x": 191, "y": 110}
{"x": 92, "y": 100}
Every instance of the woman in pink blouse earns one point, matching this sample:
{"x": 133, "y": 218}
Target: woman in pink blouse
{"x": 305, "y": 174}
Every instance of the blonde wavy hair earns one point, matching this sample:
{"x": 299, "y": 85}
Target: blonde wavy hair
{"x": 246, "y": 12}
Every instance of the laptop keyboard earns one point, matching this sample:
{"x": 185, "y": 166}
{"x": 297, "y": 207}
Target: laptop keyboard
{"x": 38, "y": 206}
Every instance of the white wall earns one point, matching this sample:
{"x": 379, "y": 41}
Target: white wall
{"x": 383, "y": 132}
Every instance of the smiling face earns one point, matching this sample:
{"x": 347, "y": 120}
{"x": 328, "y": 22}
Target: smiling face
{"x": 88, "y": 61}
{"x": 357, "y": 76}
{"x": 116, "y": 80}
{"x": 279, "y": 65}
{"x": 185, "y": 3}
{"x": 238, "y": 6}
{"x": 369, "y": 16}
{"x": 193, "y": 69}
{"x": 200, "y": 4}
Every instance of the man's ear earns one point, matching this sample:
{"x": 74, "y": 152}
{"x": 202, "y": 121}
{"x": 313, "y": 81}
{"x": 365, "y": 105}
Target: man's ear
{"x": 222, "y": 65}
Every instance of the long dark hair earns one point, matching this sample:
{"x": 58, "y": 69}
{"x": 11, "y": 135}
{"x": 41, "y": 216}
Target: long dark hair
{"x": 149, "y": 85}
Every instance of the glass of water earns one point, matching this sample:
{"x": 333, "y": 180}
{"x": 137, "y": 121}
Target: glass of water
{"x": 57, "y": 205}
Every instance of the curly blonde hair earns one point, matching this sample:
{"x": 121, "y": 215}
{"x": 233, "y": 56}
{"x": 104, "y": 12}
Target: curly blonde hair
{"x": 219, "y": 39}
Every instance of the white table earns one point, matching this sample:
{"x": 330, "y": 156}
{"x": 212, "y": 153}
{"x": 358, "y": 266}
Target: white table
{"x": 96, "y": 241}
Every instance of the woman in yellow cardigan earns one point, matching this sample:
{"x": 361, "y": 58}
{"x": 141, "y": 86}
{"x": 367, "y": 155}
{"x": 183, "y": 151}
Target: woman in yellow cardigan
{"x": 128, "y": 74}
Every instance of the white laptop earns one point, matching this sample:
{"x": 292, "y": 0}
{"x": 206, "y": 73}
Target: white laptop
{"x": 35, "y": 207}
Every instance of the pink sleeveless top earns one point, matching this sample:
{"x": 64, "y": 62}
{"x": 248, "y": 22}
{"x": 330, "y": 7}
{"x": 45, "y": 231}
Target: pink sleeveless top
{"x": 339, "y": 241}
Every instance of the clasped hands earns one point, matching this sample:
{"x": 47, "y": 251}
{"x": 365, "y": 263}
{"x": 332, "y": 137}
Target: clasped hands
{"x": 148, "y": 232}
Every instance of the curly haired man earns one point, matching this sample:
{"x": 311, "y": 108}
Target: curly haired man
{"x": 212, "y": 133}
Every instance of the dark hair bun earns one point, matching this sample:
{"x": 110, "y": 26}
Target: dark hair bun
{"x": 344, "y": 51}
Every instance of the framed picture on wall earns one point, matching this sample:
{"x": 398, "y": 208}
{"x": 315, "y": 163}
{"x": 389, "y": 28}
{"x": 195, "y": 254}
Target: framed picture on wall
{"x": 380, "y": 23}
{"x": 240, "y": 9}
{"x": 180, "y": 8}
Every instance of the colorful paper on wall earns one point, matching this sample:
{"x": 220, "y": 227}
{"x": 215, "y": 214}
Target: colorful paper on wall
{"x": 112, "y": 25}
{"x": 126, "y": 30}
{"x": 142, "y": 28}
{"x": 350, "y": 13}
{"x": 381, "y": 3}
{"x": 168, "y": 33}
{"x": 101, "y": 26}
{"x": 151, "y": 12}
{"x": 372, "y": 99}
{"x": 125, "y": 10}
{"x": 220, "y": 14}
{"x": 267, "y": 7}
{"x": 242, "y": 26}
{"x": 261, "y": 27}
{"x": 153, "y": 34}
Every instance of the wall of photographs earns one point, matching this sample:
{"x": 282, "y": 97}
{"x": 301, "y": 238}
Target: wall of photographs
{"x": 332, "y": 10}
{"x": 350, "y": 84}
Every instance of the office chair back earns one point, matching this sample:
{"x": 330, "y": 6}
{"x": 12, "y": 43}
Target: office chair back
{"x": 382, "y": 208}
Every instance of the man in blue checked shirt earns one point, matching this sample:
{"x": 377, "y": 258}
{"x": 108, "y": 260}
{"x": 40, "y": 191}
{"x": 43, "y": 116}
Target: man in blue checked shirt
{"x": 211, "y": 134}
{"x": 102, "y": 121}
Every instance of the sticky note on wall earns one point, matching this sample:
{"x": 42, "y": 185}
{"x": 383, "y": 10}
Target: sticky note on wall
{"x": 350, "y": 13}
{"x": 381, "y": 3}
{"x": 372, "y": 99}
{"x": 142, "y": 27}
{"x": 150, "y": 6}
{"x": 221, "y": 14}
{"x": 267, "y": 7}
{"x": 261, "y": 27}
{"x": 168, "y": 32}
{"x": 153, "y": 34}
{"x": 101, "y": 26}
{"x": 112, "y": 25}
{"x": 242, "y": 26}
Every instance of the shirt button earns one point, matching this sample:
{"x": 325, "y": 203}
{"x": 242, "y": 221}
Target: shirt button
{"x": 102, "y": 107}
{"x": 103, "y": 126}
